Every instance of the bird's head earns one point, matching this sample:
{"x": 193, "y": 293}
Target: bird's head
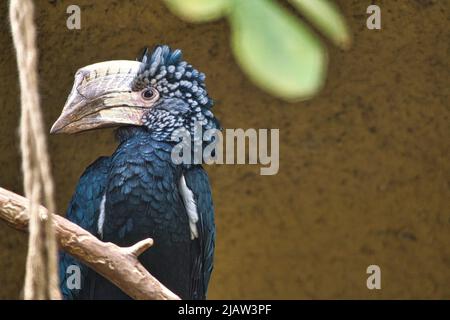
{"x": 159, "y": 91}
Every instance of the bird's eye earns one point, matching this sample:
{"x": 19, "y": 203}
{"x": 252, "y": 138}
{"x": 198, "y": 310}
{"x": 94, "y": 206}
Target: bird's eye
{"x": 148, "y": 94}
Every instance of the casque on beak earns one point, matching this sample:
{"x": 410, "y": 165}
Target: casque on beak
{"x": 102, "y": 96}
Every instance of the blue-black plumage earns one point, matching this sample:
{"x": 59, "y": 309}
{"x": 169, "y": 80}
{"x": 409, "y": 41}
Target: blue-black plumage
{"x": 139, "y": 192}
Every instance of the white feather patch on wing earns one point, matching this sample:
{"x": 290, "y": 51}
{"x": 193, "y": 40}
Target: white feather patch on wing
{"x": 101, "y": 217}
{"x": 191, "y": 207}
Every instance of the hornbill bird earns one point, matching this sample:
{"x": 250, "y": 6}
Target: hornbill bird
{"x": 139, "y": 191}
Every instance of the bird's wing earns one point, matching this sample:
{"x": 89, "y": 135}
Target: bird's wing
{"x": 198, "y": 182}
{"x": 83, "y": 210}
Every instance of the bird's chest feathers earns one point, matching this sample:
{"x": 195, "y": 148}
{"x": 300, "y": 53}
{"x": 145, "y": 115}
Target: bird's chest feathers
{"x": 146, "y": 195}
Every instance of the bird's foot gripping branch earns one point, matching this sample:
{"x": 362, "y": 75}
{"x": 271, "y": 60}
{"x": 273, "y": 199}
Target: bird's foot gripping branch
{"x": 117, "y": 264}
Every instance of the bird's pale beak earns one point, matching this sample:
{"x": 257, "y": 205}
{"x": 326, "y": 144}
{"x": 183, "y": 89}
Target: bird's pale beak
{"x": 102, "y": 96}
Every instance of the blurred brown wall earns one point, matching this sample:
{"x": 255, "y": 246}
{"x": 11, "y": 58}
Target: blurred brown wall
{"x": 364, "y": 166}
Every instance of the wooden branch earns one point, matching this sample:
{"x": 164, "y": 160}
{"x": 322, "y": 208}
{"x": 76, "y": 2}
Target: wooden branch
{"x": 119, "y": 265}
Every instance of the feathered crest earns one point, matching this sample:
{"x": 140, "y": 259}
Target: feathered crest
{"x": 162, "y": 55}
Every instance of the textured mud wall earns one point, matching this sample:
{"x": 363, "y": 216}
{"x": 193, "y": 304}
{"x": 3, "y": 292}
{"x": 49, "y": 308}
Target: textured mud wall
{"x": 364, "y": 167}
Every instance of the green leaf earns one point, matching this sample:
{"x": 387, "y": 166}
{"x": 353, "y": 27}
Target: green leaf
{"x": 327, "y": 18}
{"x": 198, "y": 10}
{"x": 277, "y": 51}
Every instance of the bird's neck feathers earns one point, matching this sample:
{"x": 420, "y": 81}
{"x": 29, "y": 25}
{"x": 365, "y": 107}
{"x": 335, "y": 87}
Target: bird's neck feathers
{"x": 124, "y": 133}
